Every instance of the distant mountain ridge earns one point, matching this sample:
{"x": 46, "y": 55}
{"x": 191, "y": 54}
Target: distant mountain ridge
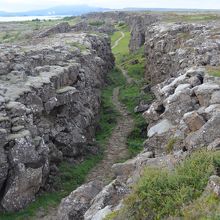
{"x": 77, "y": 10}
{"x": 74, "y": 10}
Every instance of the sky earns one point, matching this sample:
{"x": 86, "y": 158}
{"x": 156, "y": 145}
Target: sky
{"x": 25, "y": 5}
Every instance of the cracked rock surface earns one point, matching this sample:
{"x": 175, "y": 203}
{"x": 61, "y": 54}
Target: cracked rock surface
{"x": 50, "y": 99}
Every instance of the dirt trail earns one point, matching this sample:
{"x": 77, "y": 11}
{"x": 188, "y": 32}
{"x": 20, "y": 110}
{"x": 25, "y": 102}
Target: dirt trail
{"x": 119, "y": 39}
{"x": 116, "y": 148}
{"x": 125, "y": 74}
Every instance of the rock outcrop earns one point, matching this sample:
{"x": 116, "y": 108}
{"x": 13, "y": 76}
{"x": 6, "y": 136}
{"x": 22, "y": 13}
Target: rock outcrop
{"x": 138, "y": 25}
{"x": 186, "y": 93}
{"x": 185, "y": 113}
{"x": 63, "y": 27}
{"x": 50, "y": 99}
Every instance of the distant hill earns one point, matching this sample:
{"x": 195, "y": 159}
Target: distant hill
{"x": 76, "y": 10}
{"x": 169, "y": 9}
{"x": 59, "y": 10}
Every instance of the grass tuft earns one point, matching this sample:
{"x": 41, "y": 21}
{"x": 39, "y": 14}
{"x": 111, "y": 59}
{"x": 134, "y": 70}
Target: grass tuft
{"x": 161, "y": 193}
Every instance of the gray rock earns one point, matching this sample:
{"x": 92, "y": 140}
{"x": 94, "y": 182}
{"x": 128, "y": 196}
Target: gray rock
{"x": 193, "y": 121}
{"x": 215, "y": 145}
{"x": 160, "y": 128}
{"x": 108, "y": 197}
{"x": 204, "y": 93}
{"x": 75, "y": 205}
{"x": 208, "y": 133}
{"x": 22, "y": 185}
{"x": 50, "y": 100}
{"x": 213, "y": 185}
{"x": 59, "y": 28}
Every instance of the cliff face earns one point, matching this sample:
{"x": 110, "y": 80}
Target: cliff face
{"x": 186, "y": 109}
{"x": 172, "y": 47}
{"x": 50, "y": 98}
{"x": 138, "y": 25}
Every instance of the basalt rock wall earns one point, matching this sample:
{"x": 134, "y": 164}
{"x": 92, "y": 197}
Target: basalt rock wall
{"x": 180, "y": 57}
{"x": 49, "y": 103}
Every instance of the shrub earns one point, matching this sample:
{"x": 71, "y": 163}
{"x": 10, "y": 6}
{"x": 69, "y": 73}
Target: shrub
{"x": 170, "y": 145}
{"x": 162, "y": 193}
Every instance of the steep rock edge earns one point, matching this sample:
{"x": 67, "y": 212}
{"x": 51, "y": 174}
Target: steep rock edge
{"x": 50, "y": 99}
{"x": 184, "y": 116}
{"x": 187, "y": 97}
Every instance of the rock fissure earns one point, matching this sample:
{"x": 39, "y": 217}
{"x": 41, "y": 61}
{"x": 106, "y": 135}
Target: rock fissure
{"x": 50, "y": 101}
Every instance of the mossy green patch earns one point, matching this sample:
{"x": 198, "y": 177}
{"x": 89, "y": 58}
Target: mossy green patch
{"x": 214, "y": 71}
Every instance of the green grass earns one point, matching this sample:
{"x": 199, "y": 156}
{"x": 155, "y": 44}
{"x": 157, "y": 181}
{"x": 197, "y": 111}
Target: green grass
{"x": 207, "y": 207}
{"x": 130, "y": 95}
{"x": 161, "y": 193}
{"x": 78, "y": 45}
{"x": 115, "y": 37}
{"x": 96, "y": 23}
{"x": 108, "y": 113}
{"x": 73, "y": 176}
{"x": 122, "y": 50}
{"x": 214, "y": 71}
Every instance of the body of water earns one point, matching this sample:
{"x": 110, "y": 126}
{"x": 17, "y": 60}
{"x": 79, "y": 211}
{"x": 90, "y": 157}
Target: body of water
{"x": 29, "y": 18}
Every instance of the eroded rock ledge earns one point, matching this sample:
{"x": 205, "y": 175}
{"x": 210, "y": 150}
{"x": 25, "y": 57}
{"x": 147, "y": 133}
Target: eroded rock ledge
{"x": 50, "y": 99}
{"x": 185, "y": 114}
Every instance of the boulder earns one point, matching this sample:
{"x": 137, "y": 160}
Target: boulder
{"x": 141, "y": 108}
{"x": 205, "y": 91}
{"x": 193, "y": 120}
{"x": 215, "y": 145}
{"x": 208, "y": 133}
{"x": 108, "y": 197}
{"x": 75, "y": 205}
{"x": 160, "y": 128}
{"x": 22, "y": 185}
{"x": 213, "y": 185}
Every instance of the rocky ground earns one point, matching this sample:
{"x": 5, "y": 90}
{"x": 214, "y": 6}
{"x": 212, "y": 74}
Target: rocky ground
{"x": 50, "y": 98}
{"x": 184, "y": 115}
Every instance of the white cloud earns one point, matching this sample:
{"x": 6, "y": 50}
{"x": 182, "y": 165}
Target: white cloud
{"x": 24, "y": 5}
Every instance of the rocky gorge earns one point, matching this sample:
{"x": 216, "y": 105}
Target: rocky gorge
{"x": 50, "y": 103}
{"x": 182, "y": 118}
{"x": 50, "y": 99}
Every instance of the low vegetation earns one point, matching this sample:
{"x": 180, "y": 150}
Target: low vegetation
{"x": 131, "y": 94}
{"x": 23, "y": 30}
{"x": 161, "y": 193}
{"x": 191, "y": 17}
{"x": 170, "y": 145}
{"x": 214, "y": 71}
{"x": 96, "y": 23}
{"x": 122, "y": 49}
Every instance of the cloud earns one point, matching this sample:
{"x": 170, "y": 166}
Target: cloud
{"x": 24, "y": 5}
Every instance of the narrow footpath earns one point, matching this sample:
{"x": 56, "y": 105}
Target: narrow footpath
{"x": 116, "y": 148}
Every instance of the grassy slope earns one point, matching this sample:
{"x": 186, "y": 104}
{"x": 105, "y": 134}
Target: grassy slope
{"x": 73, "y": 176}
